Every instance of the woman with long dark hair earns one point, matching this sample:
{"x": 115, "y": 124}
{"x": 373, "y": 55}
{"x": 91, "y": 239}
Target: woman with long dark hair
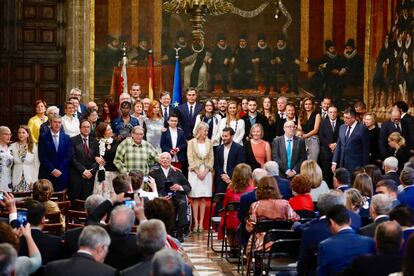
{"x": 309, "y": 123}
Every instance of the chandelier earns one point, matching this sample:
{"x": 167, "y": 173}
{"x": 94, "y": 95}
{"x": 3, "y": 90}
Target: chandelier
{"x": 199, "y": 9}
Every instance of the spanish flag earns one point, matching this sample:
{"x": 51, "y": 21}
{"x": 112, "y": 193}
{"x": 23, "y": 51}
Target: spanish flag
{"x": 151, "y": 76}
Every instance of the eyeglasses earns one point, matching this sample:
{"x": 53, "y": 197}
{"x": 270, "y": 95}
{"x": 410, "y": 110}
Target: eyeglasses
{"x": 290, "y": 127}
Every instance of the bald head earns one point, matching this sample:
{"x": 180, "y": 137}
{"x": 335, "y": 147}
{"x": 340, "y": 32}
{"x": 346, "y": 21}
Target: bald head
{"x": 165, "y": 160}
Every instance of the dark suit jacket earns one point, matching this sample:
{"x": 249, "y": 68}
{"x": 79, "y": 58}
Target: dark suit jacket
{"x": 78, "y": 186}
{"x": 284, "y": 187}
{"x": 50, "y": 159}
{"x": 80, "y": 264}
{"x": 236, "y": 156}
{"x": 71, "y": 238}
{"x": 393, "y": 176}
{"x": 170, "y": 111}
{"x": 175, "y": 177}
{"x": 186, "y": 121}
{"x": 260, "y": 119}
{"x": 246, "y": 200}
{"x": 387, "y": 128}
{"x": 354, "y": 152}
{"x": 328, "y": 136}
{"x": 279, "y": 154}
{"x": 407, "y": 196}
{"x": 123, "y": 251}
{"x": 331, "y": 260}
{"x": 50, "y": 247}
{"x": 373, "y": 265}
{"x": 369, "y": 230}
{"x": 409, "y": 121}
{"x": 144, "y": 269}
{"x": 166, "y": 143}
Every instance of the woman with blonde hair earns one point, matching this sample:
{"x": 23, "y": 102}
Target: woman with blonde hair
{"x": 200, "y": 172}
{"x": 353, "y": 200}
{"x": 399, "y": 149}
{"x": 208, "y": 115}
{"x": 233, "y": 120}
{"x": 258, "y": 151}
{"x": 309, "y": 123}
{"x": 241, "y": 182}
{"x": 155, "y": 125}
{"x": 363, "y": 183}
{"x": 37, "y": 120}
{"x": 26, "y": 161}
{"x": 311, "y": 170}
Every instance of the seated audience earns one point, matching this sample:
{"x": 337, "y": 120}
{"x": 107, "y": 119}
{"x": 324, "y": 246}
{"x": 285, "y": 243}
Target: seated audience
{"x": 93, "y": 247}
{"x": 42, "y": 192}
{"x": 272, "y": 168}
{"x": 311, "y": 170}
{"x": 330, "y": 259}
{"x": 374, "y": 172}
{"x": 406, "y": 196}
{"x": 388, "y": 239}
{"x": 240, "y": 184}
{"x": 404, "y": 215}
{"x": 353, "y": 200}
{"x": 390, "y": 169}
{"x": 363, "y": 184}
{"x": 301, "y": 199}
{"x": 342, "y": 179}
{"x": 379, "y": 209}
{"x": 408, "y": 259}
{"x": 8, "y": 259}
{"x": 390, "y": 189}
{"x": 138, "y": 185}
{"x": 167, "y": 262}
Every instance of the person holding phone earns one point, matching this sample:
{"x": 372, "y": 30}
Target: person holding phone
{"x": 173, "y": 185}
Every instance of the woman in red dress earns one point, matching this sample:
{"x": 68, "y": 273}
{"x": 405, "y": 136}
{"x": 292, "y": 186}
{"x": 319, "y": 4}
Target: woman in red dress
{"x": 241, "y": 182}
{"x": 301, "y": 187}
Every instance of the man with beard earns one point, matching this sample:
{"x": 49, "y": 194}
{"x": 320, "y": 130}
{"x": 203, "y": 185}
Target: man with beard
{"x": 222, "y": 107}
{"x": 243, "y": 66}
{"x": 285, "y": 63}
{"x": 181, "y": 44}
{"x": 262, "y": 56}
{"x": 354, "y": 68}
{"x": 328, "y": 80}
{"x": 219, "y": 62}
{"x": 111, "y": 55}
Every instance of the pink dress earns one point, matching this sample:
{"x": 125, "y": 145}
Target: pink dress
{"x": 259, "y": 151}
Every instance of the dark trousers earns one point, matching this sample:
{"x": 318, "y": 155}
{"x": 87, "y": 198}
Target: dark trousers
{"x": 180, "y": 205}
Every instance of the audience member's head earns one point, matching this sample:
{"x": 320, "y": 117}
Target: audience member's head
{"x": 92, "y": 202}
{"x": 300, "y": 185}
{"x": 337, "y": 218}
{"x": 388, "y": 238}
{"x": 35, "y": 212}
{"x": 403, "y": 214}
{"x": 137, "y": 179}
{"x": 328, "y": 200}
{"x": 363, "y": 183}
{"x": 380, "y": 205}
{"x": 42, "y": 190}
{"x": 268, "y": 188}
{"x": 374, "y": 172}
{"x": 408, "y": 259}
{"x": 7, "y": 235}
{"x": 356, "y": 172}
{"x": 167, "y": 262}
{"x": 341, "y": 177}
{"x": 151, "y": 236}
{"x": 353, "y": 200}
{"x": 162, "y": 209}
{"x": 257, "y": 174}
{"x": 96, "y": 241}
{"x": 8, "y": 257}
{"x": 121, "y": 220}
{"x": 311, "y": 170}
{"x": 271, "y": 168}
{"x": 407, "y": 176}
{"x": 240, "y": 179}
{"x": 122, "y": 184}
{"x": 390, "y": 164}
{"x": 387, "y": 187}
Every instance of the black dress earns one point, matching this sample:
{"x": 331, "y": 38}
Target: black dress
{"x": 310, "y": 123}
{"x": 374, "y": 152}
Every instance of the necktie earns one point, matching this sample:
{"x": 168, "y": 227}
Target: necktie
{"x": 56, "y": 142}
{"x": 333, "y": 125}
{"x": 75, "y": 114}
{"x": 323, "y": 115}
{"x": 85, "y": 146}
{"x": 289, "y": 154}
{"x": 397, "y": 127}
{"x": 191, "y": 111}
{"x": 347, "y": 133}
{"x": 165, "y": 114}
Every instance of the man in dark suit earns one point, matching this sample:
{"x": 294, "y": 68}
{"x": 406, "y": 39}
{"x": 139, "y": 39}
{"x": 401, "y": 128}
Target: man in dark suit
{"x": 55, "y": 155}
{"x": 93, "y": 246}
{"x": 50, "y": 247}
{"x": 123, "y": 251}
{"x": 352, "y": 147}
{"x": 289, "y": 151}
{"x": 227, "y": 156}
{"x": 394, "y": 124}
{"x": 408, "y": 120}
{"x": 83, "y": 167}
{"x": 341, "y": 180}
{"x": 166, "y": 107}
{"x": 80, "y": 108}
{"x": 390, "y": 169}
{"x": 272, "y": 168}
{"x": 173, "y": 141}
{"x": 328, "y": 136}
{"x": 174, "y": 185}
{"x": 387, "y": 260}
{"x": 281, "y": 115}
{"x": 188, "y": 112}
{"x": 252, "y": 117}
{"x": 390, "y": 189}
{"x": 406, "y": 196}
{"x": 336, "y": 252}
{"x": 379, "y": 209}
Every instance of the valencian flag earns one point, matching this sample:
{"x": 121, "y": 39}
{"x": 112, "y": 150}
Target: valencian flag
{"x": 123, "y": 82}
{"x": 151, "y": 76}
{"x": 176, "y": 99}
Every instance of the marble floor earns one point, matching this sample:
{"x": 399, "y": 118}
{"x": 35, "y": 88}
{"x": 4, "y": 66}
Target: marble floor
{"x": 204, "y": 260}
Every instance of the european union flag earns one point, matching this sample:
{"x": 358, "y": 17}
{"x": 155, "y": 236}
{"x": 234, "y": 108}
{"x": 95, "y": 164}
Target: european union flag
{"x": 176, "y": 99}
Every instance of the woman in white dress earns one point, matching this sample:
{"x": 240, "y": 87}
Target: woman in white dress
{"x": 6, "y": 160}
{"x": 26, "y": 161}
{"x": 200, "y": 169}
{"x": 70, "y": 124}
{"x": 232, "y": 120}
{"x": 209, "y": 117}
{"x": 155, "y": 125}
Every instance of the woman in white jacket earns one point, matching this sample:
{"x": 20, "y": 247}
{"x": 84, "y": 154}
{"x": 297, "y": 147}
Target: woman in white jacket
{"x": 209, "y": 116}
{"x": 26, "y": 161}
{"x": 232, "y": 120}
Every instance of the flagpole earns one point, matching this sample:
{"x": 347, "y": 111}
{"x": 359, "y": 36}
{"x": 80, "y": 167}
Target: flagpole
{"x": 151, "y": 76}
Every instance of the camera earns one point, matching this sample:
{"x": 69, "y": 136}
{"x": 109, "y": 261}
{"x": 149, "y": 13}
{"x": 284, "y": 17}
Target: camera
{"x": 22, "y": 217}
{"x": 129, "y": 203}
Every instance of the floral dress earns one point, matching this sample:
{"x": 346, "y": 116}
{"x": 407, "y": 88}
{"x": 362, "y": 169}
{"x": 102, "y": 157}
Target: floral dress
{"x": 6, "y": 162}
{"x": 23, "y": 185}
{"x": 103, "y": 179}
